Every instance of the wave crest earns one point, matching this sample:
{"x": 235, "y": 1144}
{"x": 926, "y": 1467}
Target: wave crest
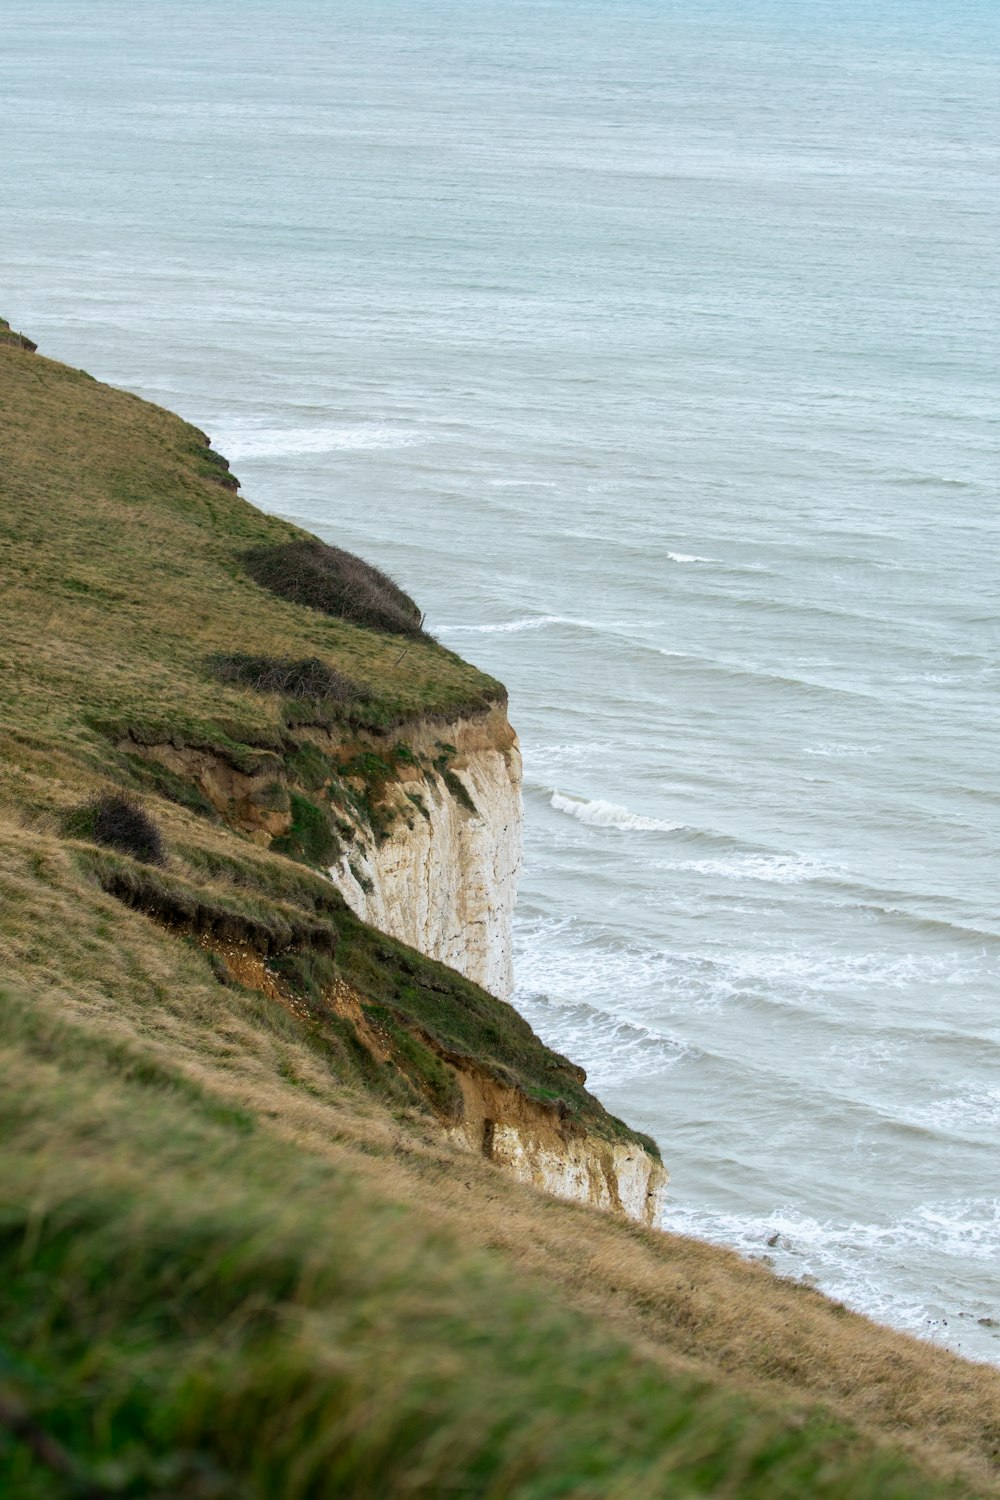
{"x": 601, "y": 814}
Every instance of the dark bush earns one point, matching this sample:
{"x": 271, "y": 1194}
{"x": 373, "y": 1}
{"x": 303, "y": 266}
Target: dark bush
{"x": 305, "y": 678}
{"x": 119, "y": 820}
{"x": 336, "y": 583}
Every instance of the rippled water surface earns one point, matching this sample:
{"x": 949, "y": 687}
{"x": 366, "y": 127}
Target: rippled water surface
{"x": 653, "y": 346}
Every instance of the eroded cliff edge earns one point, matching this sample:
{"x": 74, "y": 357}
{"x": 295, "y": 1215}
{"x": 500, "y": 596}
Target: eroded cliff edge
{"x": 428, "y": 834}
{"x": 335, "y": 796}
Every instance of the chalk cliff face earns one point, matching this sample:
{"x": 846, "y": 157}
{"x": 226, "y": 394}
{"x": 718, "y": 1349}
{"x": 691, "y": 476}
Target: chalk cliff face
{"x": 444, "y": 879}
{"x": 535, "y": 1143}
{"x": 617, "y": 1177}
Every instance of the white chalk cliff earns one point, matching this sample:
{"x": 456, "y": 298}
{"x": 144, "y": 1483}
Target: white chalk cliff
{"x": 445, "y": 878}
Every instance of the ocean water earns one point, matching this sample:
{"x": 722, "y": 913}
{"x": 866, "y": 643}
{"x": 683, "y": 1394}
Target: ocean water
{"x": 652, "y": 345}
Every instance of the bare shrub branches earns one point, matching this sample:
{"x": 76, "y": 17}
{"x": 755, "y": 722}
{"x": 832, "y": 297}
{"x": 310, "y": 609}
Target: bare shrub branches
{"x": 336, "y": 583}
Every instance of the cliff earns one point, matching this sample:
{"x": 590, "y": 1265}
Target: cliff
{"x": 445, "y": 880}
{"x": 424, "y": 832}
{"x": 311, "y": 756}
{"x": 267, "y": 1218}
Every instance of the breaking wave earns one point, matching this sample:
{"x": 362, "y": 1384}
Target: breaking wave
{"x": 601, "y": 814}
{"x": 779, "y": 869}
{"x": 509, "y": 627}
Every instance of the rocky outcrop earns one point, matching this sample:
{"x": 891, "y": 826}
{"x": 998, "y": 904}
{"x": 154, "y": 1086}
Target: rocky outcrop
{"x": 536, "y": 1143}
{"x": 444, "y": 877}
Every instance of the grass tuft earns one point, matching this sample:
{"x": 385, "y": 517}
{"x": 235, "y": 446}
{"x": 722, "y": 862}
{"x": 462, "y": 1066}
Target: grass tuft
{"x": 311, "y": 837}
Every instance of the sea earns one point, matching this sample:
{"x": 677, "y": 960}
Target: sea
{"x": 652, "y": 345}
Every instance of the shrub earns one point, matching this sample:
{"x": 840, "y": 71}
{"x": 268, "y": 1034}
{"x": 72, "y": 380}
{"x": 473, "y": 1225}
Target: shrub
{"x": 119, "y": 820}
{"x": 336, "y": 583}
{"x": 305, "y": 677}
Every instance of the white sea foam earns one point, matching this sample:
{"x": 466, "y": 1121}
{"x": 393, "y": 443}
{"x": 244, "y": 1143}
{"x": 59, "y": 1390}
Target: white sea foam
{"x": 536, "y": 622}
{"x": 613, "y": 1049}
{"x": 563, "y": 957}
{"x": 522, "y": 484}
{"x": 601, "y": 814}
{"x": 834, "y": 751}
{"x": 826, "y": 971}
{"x": 508, "y": 627}
{"x": 570, "y": 961}
{"x": 688, "y": 557}
{"x": 778, "y": 869}
{"x": 589, "y": 751}
{"x": 290, "y": 442}
{"x": 863, "y": 1263}
{"x": 971, "y": 1113}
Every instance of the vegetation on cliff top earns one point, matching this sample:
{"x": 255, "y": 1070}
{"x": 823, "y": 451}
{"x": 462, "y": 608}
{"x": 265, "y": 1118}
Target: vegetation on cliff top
{"x": 120, "y": 533}
{"x": 124, "y": 559}
{"x": 239, "y": 1257}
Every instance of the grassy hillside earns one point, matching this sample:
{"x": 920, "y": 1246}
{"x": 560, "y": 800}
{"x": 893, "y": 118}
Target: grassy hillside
{"x": 238, "y": 1255}
{"x": 124, "y": 555}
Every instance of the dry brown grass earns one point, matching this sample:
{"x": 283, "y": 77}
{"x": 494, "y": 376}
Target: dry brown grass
{"x": 685, "y": 1305}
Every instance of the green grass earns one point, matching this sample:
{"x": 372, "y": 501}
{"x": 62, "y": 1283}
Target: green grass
{"x": 175, "y": 1325}
{"x": 310, "y": 837}
{"x": 239, "y": 1256}
{"x": 115, "y": 532}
